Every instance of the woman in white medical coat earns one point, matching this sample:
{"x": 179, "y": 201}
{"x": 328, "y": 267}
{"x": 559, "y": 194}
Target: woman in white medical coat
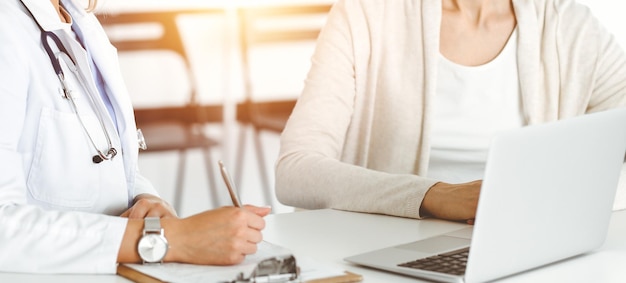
{"x": 69, "y": 166}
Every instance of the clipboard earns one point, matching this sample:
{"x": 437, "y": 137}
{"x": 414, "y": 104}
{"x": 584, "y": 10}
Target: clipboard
{"x": 279, "y": 269}
{"x": 137, "y": 276}
{"x": 349, "y": 277}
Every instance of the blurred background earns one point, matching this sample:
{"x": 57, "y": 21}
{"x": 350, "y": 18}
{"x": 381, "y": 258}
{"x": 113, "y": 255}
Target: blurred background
{"x": 216, "y": 79}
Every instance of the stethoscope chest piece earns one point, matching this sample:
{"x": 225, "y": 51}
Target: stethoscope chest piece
{"x": 101, "y": 157}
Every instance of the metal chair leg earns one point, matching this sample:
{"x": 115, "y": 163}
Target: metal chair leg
{"x": 214, "y": 195}
{"x": 240, "y": 156}
{"x": 267, "y": 190}
{"x": 180, "y": 178}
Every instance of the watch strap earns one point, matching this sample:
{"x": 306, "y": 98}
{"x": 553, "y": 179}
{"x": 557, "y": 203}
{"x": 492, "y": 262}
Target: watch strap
{"x": 152, "y": 225}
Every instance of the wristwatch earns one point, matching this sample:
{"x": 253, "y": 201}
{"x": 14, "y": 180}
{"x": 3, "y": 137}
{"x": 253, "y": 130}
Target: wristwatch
{"x": 152, "y": 246}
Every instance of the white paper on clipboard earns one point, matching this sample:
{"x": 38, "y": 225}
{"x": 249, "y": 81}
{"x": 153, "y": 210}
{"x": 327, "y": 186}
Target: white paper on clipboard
{"x": 189, "y": 273}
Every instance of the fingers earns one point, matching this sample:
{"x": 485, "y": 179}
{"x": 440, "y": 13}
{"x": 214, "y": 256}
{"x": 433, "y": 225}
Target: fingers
{"x": 254, "y": 236}
{"x": 260, "y": 211}
{"x": 455, "y": 202}
{"x": 138, "y": 211}
{"x": 250, "y": 226}
{"x": 238, "y": 225}
{"x": 246, "y": 245}
{"x": 220, "y": 236}
{"x": 143, "y": 211}
{"x": 250, "y": 248}
{"x": 149, "y": 207}
{"x": 256, "y": 222}
{"x": 255, "y": 218}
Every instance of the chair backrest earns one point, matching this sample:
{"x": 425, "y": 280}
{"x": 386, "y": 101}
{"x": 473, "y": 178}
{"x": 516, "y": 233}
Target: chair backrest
{"x": 262, "y": 27}
{"x": 167, "y": 38}
{"x": 253, "y": 31}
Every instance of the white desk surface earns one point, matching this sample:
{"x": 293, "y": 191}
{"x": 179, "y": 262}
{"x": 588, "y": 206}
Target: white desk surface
{"x": 329, "y": 236}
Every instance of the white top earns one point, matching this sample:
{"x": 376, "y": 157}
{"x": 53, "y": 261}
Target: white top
{"x": 471, "y": 105}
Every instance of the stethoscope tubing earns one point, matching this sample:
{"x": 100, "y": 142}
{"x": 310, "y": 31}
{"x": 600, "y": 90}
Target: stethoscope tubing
{"x": 68, "y": 95}
{"x": 55, "y": 59}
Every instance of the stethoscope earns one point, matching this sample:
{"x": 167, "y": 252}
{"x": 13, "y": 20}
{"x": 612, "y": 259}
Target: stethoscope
{"x": 56, "y": 59}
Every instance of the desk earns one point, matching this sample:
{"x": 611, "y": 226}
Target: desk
{"x": 329, "y": 235}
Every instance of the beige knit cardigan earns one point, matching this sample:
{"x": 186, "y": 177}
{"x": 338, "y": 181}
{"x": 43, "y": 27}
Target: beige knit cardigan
{"x": 358, "y": 138}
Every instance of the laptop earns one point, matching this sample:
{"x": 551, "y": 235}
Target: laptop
{"x": 547, "y": 195}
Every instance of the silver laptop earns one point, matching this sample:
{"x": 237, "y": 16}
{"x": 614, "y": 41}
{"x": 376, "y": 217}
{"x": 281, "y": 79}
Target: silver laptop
{"x": 547, "y": 195}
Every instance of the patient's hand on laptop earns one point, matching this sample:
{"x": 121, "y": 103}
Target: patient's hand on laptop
{"x": 456, "y": 202}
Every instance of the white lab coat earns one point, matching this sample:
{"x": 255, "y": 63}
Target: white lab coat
{"x": 54, "y": 201}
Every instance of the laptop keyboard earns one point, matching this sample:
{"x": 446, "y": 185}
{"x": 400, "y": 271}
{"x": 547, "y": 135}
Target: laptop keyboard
{"x": 453, "y": 262}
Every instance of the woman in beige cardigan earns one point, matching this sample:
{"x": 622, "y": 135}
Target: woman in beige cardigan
{"x": 392, "y": 97}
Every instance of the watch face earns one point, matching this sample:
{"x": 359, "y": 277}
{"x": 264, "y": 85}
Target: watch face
{"x": 152, "y": 247}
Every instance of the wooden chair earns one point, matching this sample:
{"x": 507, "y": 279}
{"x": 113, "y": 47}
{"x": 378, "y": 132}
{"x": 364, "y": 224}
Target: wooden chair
{"x": 264, "y": 27}
{"x": 171, "y": 127}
